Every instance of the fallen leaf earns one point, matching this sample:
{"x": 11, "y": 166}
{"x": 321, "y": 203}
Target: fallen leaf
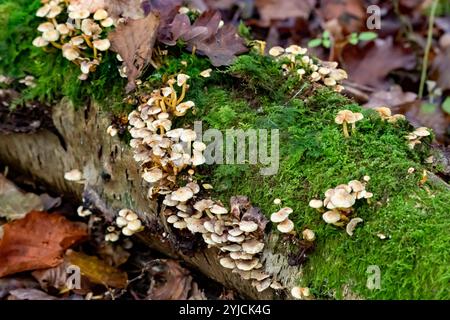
{"x": 14, "y": 203}
{"x": 391, "y": 98}
{"x": 37, "y": 241}
{"x": 172, "y": 282}
{"x": 9, "y": 284}
{"x": 96, "y": 270}
{"x": 441, "y": 67}
{"x": 30, "y": 294}
{"x": 350, "y": 14}
{"x": 125, "y": 8}
{"x": 284, "y": 9}
{"x": 371, "y": 65}
{"x": 134, "y": 41}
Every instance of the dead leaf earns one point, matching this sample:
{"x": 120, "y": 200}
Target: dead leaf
{"x": 9, "y": 284}
{"x": 392, "y": 98}
{"x": 30, "y": 294}
{"x": 14, "y": 203}
{"x": 37, "y": 241}
{"x": 350, "y": 14}
{"x": 377, "y": 59}
{"x": 284, "y": 9}
{"x": 172, "y": 282}
{"x": 125, "y": 8}
{"x": 96, "y": 270}
{"x": 441, "y": 67}
{"x": 134, "y": 41}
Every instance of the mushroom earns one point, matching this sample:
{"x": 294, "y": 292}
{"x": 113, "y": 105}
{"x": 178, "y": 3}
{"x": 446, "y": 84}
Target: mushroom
{"x": 341, "y": 199}
{"x": 352, "y": 225}
{"x": 153, "y": 175}
{"x": 252, "y": 246}
{"x": 100, "y": 14}
{"x": 180, "y": 225}
{"x": 248, "y": 226}
{"x": 218, "y": 210}
{"x": 277, "y": 201}
{"x": 286, "y": 226}
{"x": 276, "y": 51}
{"x": 308, "y": 235}
{"x": 346, "y": 116}
{"x": 134, "y": 225}
{"x": 83, "y": 212}
{"x": 246, "y": 265}
{"x": 281, "y": 215}
{"x": 239, "y": 255}
{"x": 245, "y": 275}
{"x": 203, "y": 204}
{"x": 259, "y": 275}
{"x": 73, "y": 175}
{"x": 261, "y": 285}
{"x": 421, "y": 132}
{"x": 384, "y": 112}
{"x": 101, "y": 44}
{"x": 231, "y": 248}
{"x": 188, "y": 135}
{"x": 206, "y": 73}
{"x": 356, "y": 186}
{"x": 300, "y": 293}
{"x": 227, "y": 262}
{"x": 127, "y": 232}
{"x": 331, "y": 217}
{"x": 182, "y": 194}
{"x": 316, "y": 204}
{"x": 121, "y": 222}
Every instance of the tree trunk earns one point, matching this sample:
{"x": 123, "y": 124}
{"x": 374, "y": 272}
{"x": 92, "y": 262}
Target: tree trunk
{"x": 113, "y": 182}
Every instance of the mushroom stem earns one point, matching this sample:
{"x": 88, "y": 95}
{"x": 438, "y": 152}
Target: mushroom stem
{"x": 183, "y": 93}
{"x": 162, "y": 105}
{"x": 344, "y": 126}
{"x": 56, "y": 45}
{"x": 173, "y": 97}
{"x": 88, "y": 41}
{"x": 162, "y": 129}
{"x": 55, "y": 23}
{"x": 353, "y": 127}
{"x": 194, "y": 48}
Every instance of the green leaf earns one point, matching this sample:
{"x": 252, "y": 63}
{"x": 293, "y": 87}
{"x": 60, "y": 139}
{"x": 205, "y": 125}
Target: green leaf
{"x": 446, "y": 105}
{"x": 353, "y": 38}
{"x": 314, "y": 43}
{"x": 326, "y": 43}
{"x": 428, "y": 107}
{"x": 367, "y": 36}
{"x": 326, "y": 35}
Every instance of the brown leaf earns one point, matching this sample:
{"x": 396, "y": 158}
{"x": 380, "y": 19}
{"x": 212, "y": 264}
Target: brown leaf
{"x": 441, "y": 67}
{"x": 9, "y": 284}
{"x": 96, "y": 270}
{"x": 125, "y": 8}
{"x": 350, "y": 14}
{"x": 392, "y": 98}
{"x": 284, "y": 9}
{"x": 30, "y": 294}
{"x": 37, "y": 241}
{"x": 175, "y": 282}
{"x": 376, "y": 60}
{"x": 134, "y": 41}
{"x": 15, "y": 204}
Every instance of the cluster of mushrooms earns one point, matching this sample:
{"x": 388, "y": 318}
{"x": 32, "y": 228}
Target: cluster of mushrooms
{"x": 164, "y": 152}
{"x": 386, "y": 114}
{"x": 295, "y": 59}
{"x": 416, "y": 136}
{"x": 338, "y": 203}
{"x": 82, "y": 38}
{"x": 346, "y": 117}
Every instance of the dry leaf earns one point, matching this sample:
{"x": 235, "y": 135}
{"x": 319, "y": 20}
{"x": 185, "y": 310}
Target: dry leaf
{"x": 134, "y": 41}
{"x": 371, "y": 66}
{"x": 125, "y": 8}
{"x": 392, "y": 98}
{"x": 37, "y": 241}
{"x": 175, "y": 282}
{"x": 9, "y": 284}
{"x": 30, "y": 294}
{"x": 441, "y": 67}
{"x": 15, "y": 204}
{"x": 284, "y": 9}
{"x": 96, "y": 270}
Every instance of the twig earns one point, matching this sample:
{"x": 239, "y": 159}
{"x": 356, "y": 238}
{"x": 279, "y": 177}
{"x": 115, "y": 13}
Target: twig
{"x": 427, "y": 48}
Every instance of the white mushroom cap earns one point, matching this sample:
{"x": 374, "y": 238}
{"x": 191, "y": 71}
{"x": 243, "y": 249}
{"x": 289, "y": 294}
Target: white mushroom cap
{"x": 239, "y": 255}
{"x": 384, "y": 112}
{"x": 281, "y": 215}
{"x": 356, "y": 186}
{"x": 79, "y": 14}
{"x": 227, "y": 262}
{"x": 127, "y": 232}
{"x": 342, "y": 199}
{"x": 300, "y": 293}
{"x": 198, "y": 158}
{"x": 69, "y": 52}
{"x": 345, "y": 116}
{"x": 309, "y": 235}
{"x": 188, "y": 135}
{"x": 46, "y": 26}
{"x": 352, "y": 225}
{"x": 153, "y": 175}
{"x": 261, "y": 285}
{"x": 316, "y": 204}
{"x": 40, "y": 42}
{"x": 50, "y": 35}
{"x": 235, "y": 232}
{"x": 245, "y": 275}
{"x": 331, "y": 217}
{"x": 231, "y": 248}
{"x": 248, "y": 226}
{"x": 100, "y": 14}
{"x": 206, "y": 73}
{"x": 237, "y": 239}
{"x": 209, "y": 226}
{"x": 246, "y": 265}
{"x": 259, "y": 275}
{"x": 108, "y": 22}
{"x": 172, "y": 219}
{"x": 134, "y": 225}
{"x": 121, "y": 222}
{"x": 195, "y": 225}
{"x": 194, "y": 187}
{"x": 184, "y": 106}
{"x": 131, "y": 216}
{"x": 180, "y": 225}
{"x": 252, "y": 246}
{"x": 421, "y": 132}
{"x": 217, "y": 209}
{"x": 73, "y": 175}
{"x": 286, "y": 226}
{"x": 182, "y": 194}
{"x": 276, "y": 51}
{"x": 101, "y": 44}
{"x": 198, "y": 145}
{"x": 203, "y": 204}
{"x": 218, "y": 239}
{"x": 181, "y": 79}
{"x": 169, "y": 201}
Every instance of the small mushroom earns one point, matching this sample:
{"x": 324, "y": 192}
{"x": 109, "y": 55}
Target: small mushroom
{"x": 300, "y": 293}
{"x": 276, "y": 51}
{"x": 356, "y": 186}
{"x": 346, "y": 116}
{"x": 218, "y": 210}
{"x": 316, "y": 204}
{"x": 281, "y": 215}
{"x": 262, "y": 285}
{"x": 252, "y": 246}
{"x": 421, "y": 132}
{"x": 308, "y": 235}
{"x": 182, "y": 194}
{"x": 341, "y": 199}
{"x": 73, "y": 175}
{"x": 246, "y": 265}
{"x": 352, "y": 225}
{"x": 231, "y": 248}
{"x": 248, "y": 226}
{"x": 286, "y": 226}
{"x": 206, "y": 73}
{"x": 227, "y": 262}
{"x": 331, "y": 217}
{"x": 101, "y": 44}
{"x": 153, "y": 175}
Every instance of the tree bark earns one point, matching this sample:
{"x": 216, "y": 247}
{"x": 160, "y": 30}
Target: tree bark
{"x": 113, "y": 182}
